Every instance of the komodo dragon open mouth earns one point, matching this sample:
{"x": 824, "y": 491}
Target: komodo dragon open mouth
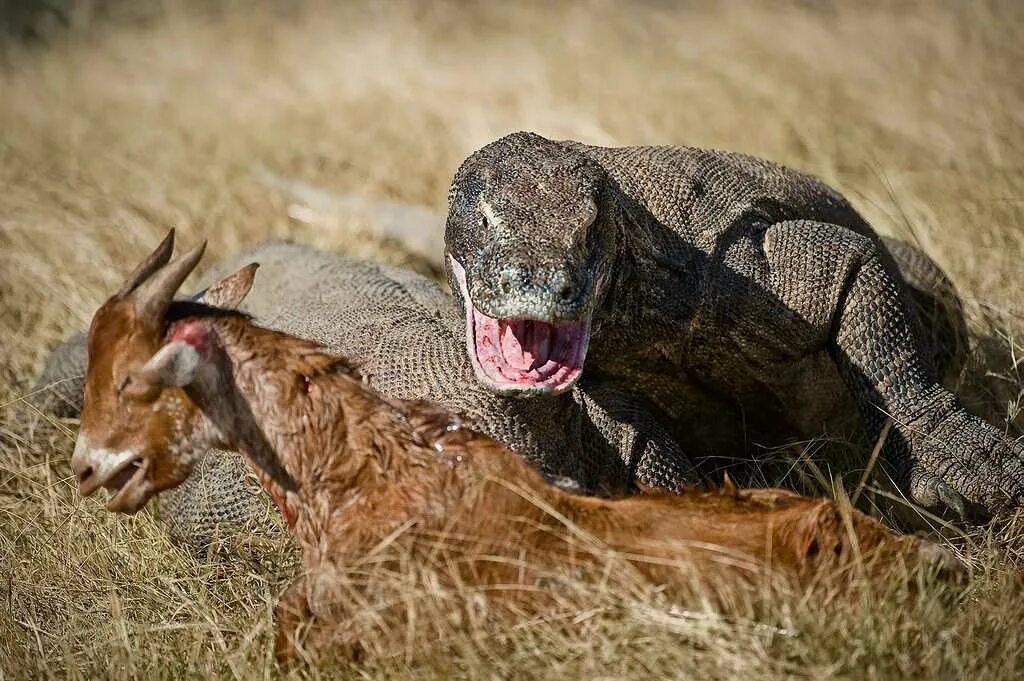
{"x": 522, "y": 355}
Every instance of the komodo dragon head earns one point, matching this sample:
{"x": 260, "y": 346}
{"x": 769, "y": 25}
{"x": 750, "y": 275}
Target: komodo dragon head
{"x": 529, "y": 249}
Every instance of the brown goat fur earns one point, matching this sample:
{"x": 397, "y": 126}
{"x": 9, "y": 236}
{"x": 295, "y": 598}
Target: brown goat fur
{"x": 359, "y": 477}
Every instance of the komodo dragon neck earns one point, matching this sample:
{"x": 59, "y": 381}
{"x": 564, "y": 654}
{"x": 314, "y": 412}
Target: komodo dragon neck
{"x": 644, "y": 268}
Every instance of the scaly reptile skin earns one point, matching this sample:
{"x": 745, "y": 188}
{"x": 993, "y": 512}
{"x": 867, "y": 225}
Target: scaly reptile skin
{"x": 749, "y": 302}
{"x": 405, "y": 334}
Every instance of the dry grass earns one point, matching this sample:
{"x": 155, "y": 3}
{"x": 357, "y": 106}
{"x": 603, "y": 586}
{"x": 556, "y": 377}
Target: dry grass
{"x": 111, "y": 133}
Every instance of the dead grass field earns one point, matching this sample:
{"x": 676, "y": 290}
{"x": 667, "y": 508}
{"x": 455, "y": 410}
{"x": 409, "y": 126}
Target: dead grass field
{"x": 112, "y": 131}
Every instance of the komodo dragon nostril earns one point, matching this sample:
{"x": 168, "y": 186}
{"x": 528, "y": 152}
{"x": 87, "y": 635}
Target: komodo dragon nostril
{"x": 503, "y": 282}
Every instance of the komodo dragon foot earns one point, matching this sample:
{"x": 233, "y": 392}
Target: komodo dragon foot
{"x": 958, "y": 461}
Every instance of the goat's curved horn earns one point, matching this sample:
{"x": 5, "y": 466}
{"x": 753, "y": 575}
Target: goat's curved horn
{"x": 147, "y": 267}
{"x": 154, "y": 295}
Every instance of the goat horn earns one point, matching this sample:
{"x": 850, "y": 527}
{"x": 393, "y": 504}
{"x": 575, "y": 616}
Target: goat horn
{"x": 154, "y": 295}
{"x": 147, "y": 267}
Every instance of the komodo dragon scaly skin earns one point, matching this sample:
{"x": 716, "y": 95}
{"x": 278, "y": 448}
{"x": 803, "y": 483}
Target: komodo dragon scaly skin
{"x": 748, "y": 301}
{"x": 405, "y": 334}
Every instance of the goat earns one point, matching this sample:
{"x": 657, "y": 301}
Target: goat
{"x": 353, "y": 472}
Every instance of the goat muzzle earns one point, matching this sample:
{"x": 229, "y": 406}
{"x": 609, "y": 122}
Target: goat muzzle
{"x": 99, "y": 467}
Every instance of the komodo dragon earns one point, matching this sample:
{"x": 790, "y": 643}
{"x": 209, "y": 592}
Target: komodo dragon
{"x": 748, "y": 301}
{"x": 404, "y": 331}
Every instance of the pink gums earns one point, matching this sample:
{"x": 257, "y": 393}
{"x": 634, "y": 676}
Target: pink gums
{"x": 523, "y": 355}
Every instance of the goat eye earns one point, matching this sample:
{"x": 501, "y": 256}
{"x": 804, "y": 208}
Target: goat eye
{"x": 124, "y": 384}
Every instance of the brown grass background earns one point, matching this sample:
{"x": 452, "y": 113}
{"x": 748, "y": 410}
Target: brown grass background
{"x": 136, "y": 117}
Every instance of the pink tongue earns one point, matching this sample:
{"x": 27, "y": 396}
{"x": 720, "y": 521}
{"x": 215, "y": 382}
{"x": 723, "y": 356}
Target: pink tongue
{"x": 524, "y": 344}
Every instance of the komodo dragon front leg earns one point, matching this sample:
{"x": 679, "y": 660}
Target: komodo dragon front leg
{"x": 626, "y": 422}
{"x": 840, "y": 283}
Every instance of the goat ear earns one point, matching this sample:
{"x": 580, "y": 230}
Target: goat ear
{"x": 175, "y": 364}
{"x": 230, "y": 291}
{"x": 729, "y": 487}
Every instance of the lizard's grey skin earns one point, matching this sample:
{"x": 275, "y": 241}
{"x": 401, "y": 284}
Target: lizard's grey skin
{"x": 405, "y": 334}
{"x": 748, "y": 301}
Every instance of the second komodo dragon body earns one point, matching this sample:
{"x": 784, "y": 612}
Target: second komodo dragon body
{"x": 403, "y": 331}
{"x": 750, "y": 302}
